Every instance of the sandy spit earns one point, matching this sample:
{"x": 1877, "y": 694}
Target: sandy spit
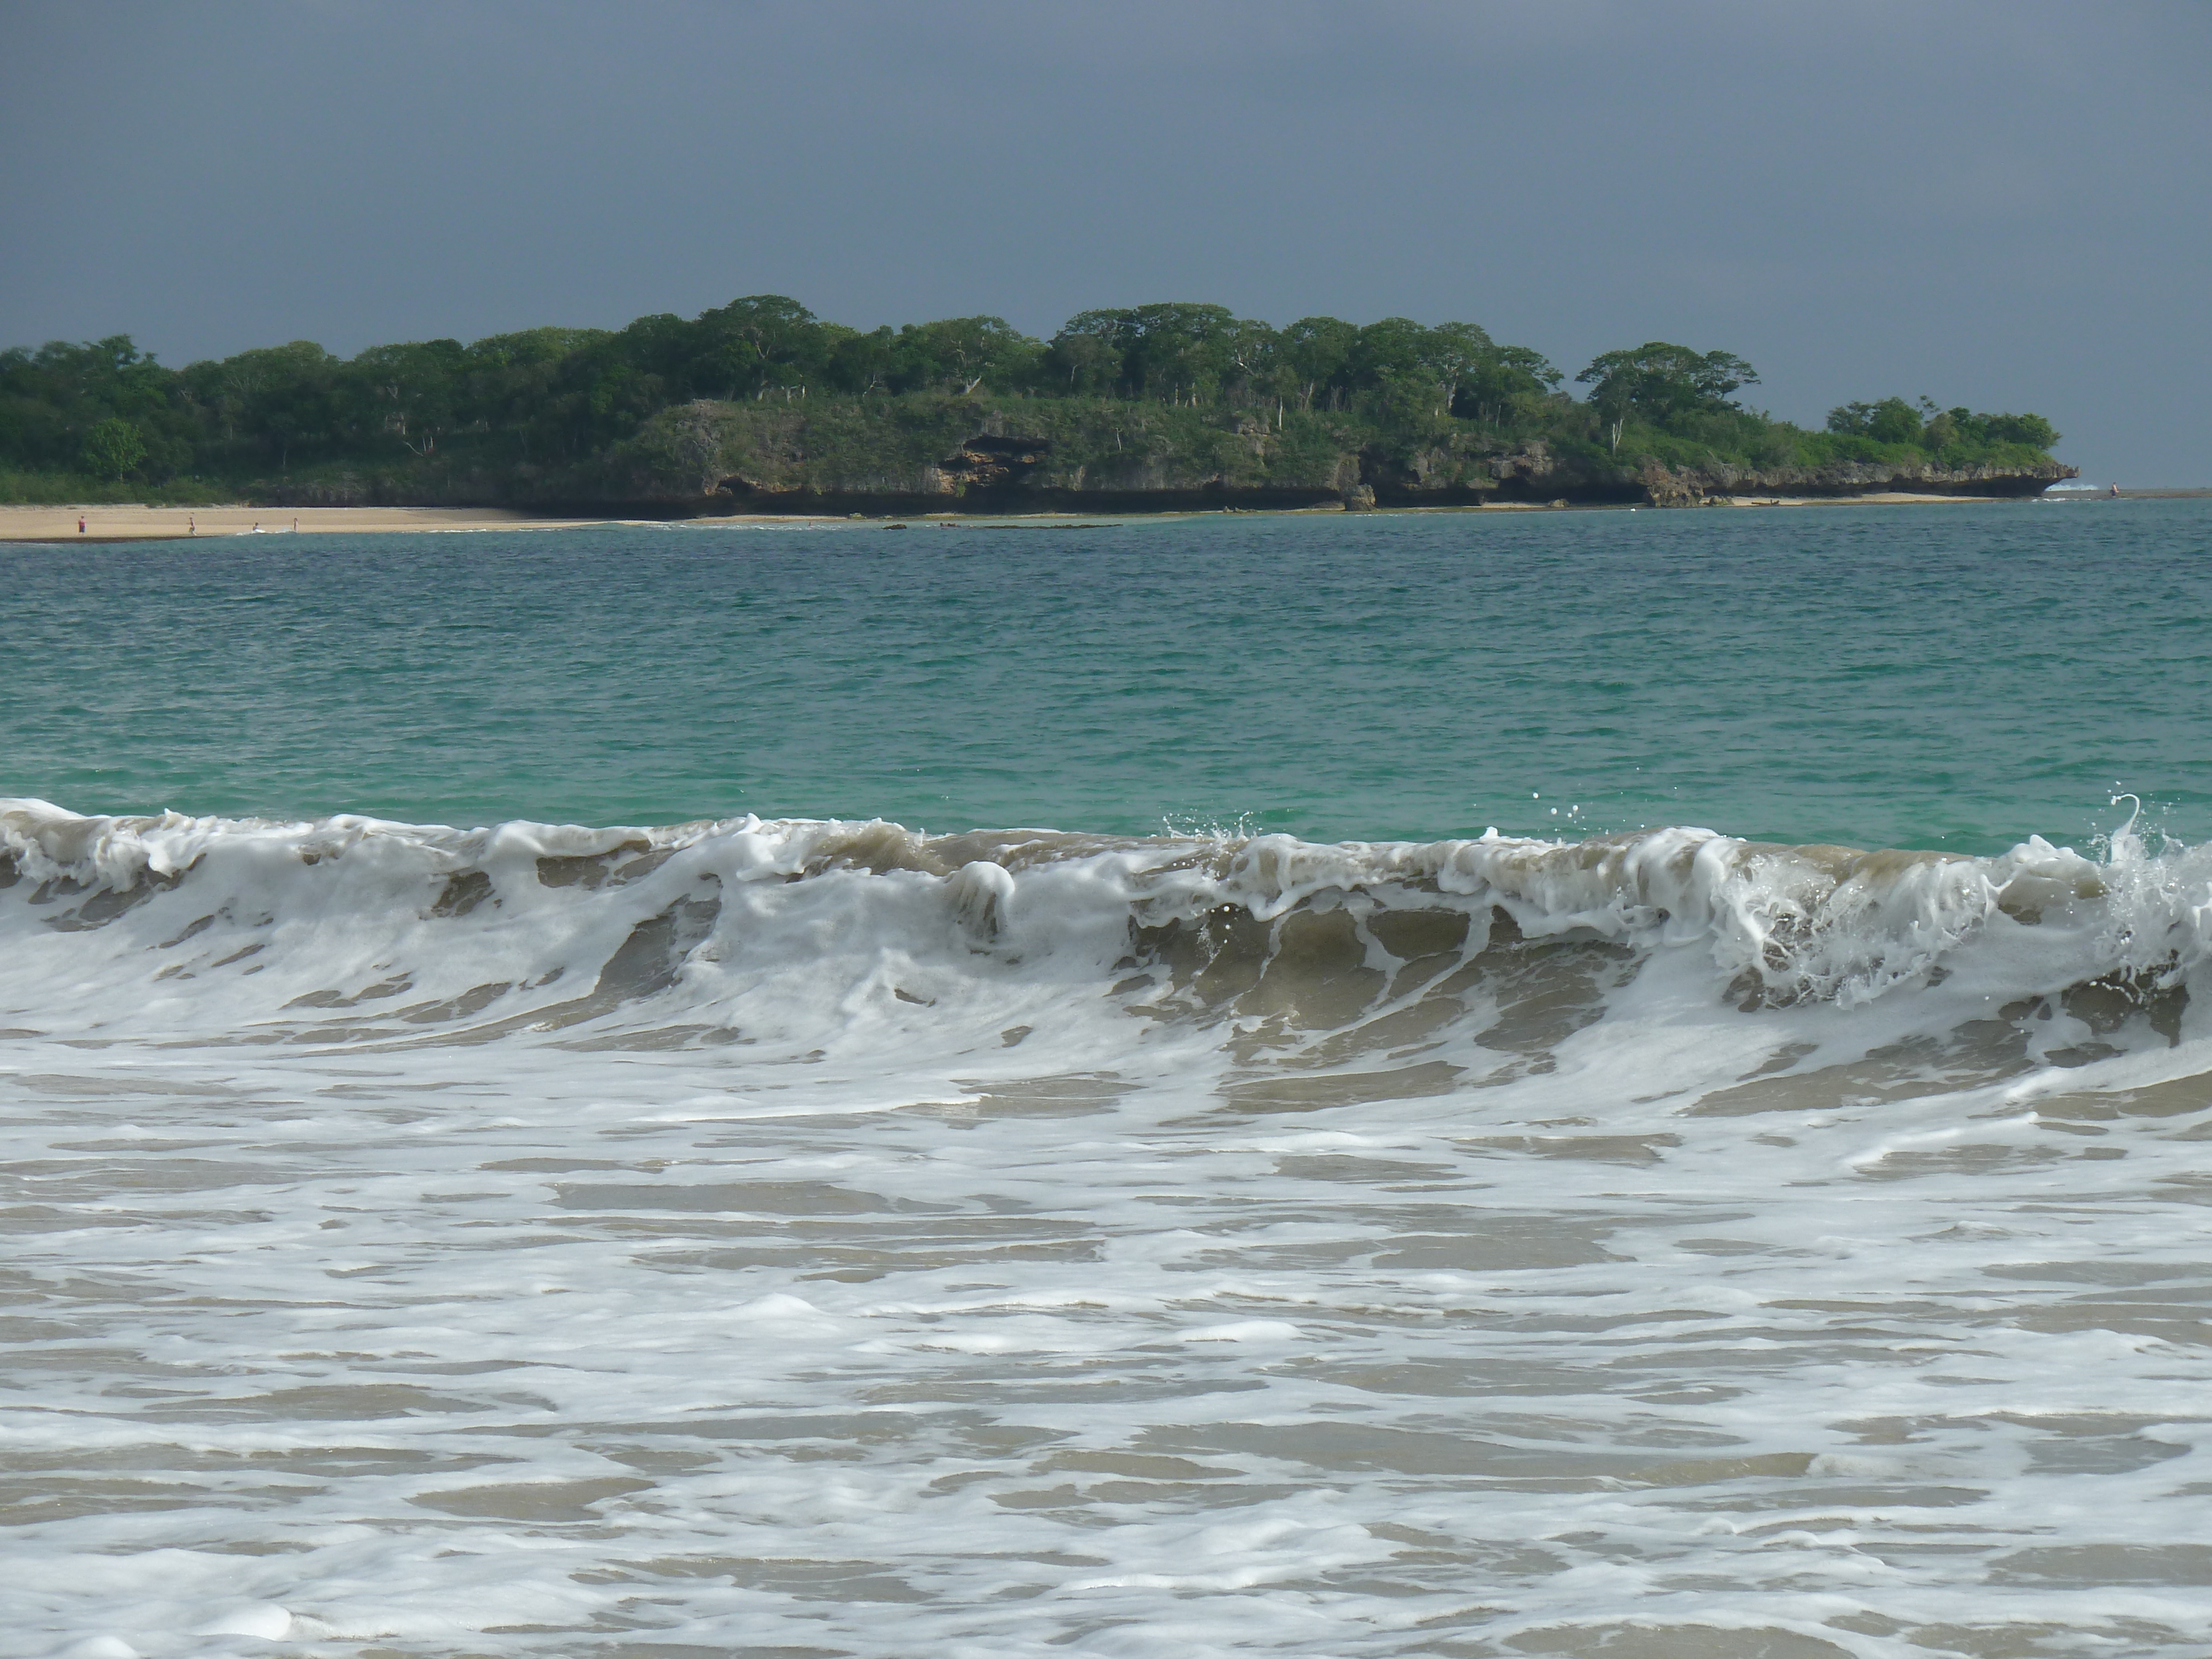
{"x": 112, "y": 523}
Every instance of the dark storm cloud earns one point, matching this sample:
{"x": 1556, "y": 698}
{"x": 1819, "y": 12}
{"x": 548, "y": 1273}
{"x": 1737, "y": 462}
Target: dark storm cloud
{"x": 2007, "y": 205}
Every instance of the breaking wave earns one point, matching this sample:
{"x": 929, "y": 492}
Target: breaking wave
{"x": 795, "y": 937}
{"x": 769, "y": 1218}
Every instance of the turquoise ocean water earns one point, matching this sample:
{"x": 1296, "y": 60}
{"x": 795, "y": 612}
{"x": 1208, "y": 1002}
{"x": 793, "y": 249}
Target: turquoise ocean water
{"x": 1954, "y": 677}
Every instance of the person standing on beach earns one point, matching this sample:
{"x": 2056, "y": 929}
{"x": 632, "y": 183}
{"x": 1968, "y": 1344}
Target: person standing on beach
{"x": 79, "y": 523}
{"x": 191, "y": 524}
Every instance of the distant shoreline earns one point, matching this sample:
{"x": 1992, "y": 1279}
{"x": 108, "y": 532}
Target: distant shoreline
{"x": 107, "y": 522}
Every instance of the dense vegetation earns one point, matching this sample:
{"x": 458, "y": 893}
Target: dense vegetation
{"x": 665, "y": 403}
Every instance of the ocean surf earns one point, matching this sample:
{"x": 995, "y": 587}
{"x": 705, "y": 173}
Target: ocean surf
{"x": 810, "y": 1237}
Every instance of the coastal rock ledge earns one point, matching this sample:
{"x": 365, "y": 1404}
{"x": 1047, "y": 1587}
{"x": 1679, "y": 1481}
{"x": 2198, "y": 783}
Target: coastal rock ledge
{"x": 1040, "y": 455}
{"x": 1045, "y": 455}
{"x": 1709, "y": 485}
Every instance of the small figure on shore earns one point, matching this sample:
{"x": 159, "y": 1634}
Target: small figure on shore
{"x": 79, "y": 523}
{"x": 192, "y": 524}
{"x": 295, "y": 526}
{"x": 2116, "y": 490}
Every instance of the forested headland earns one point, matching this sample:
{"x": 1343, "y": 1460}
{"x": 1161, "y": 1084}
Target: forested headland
{"x": 759, "y": 405}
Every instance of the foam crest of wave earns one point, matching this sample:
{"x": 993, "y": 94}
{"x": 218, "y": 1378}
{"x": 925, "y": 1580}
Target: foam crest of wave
{"x": 702, "y": 912}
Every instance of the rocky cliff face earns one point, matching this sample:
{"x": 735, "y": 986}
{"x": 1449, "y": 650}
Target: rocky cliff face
{"x": 910, "y": 456}
{"x": 1038, "y": 454}
{"x": 1662, "y": 486}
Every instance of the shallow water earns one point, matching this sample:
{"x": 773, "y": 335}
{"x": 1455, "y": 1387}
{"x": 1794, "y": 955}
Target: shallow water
{"x": 792, "y": 1236}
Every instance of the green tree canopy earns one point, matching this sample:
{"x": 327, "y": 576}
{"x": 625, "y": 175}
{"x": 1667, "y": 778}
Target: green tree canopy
{"x": 1392, "y": 352}
{"x": 113, "y": 448}
{"x": 1658, "y": 381}
{"x": 1313, "y": 355}
{"x": 1511, "y": 380}
{"x": 1892, "y": 421}
{"x": 1175, "y": 351}
{"x": 960, "y": 354}
{"x": 2030, "y": 429}
{"x": 1078, "y": 361}
{"x": 415, "y": 391}
{"x": 748, "y": 347}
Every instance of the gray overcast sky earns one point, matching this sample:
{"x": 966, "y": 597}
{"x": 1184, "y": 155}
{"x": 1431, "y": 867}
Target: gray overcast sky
{"x": 2007, "y": 205}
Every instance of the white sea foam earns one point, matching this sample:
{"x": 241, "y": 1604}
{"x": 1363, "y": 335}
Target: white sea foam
{"x": 825, "y": 1238}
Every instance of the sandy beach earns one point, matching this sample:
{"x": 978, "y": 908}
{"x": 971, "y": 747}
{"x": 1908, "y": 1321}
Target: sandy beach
{"x": 127, "y": 522}
{"x": 114, "y": 523}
